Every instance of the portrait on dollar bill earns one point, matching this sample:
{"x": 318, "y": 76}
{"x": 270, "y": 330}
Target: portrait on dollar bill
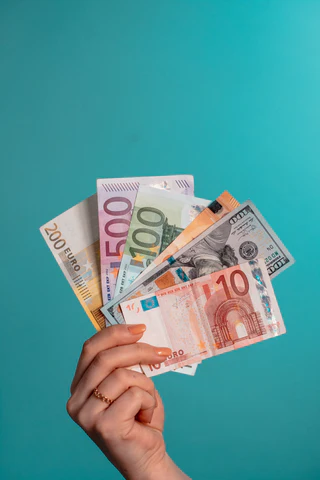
{"x": 210, "y": 255}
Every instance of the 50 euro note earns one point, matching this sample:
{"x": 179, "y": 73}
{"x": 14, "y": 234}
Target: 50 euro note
{"x": 116, "y": 197}
{"x": 73, "y": 238}
{"x": 239, "y": 236}
{"x": 158, "y": 217}
{"x": 210, "y": 315}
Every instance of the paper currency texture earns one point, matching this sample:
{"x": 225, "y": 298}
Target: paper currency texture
{"x": 224, "y": 204}
{"x": 116, "y": 198}
{"x": 73, "y": 238}
{"x": 158, "y": 218}
{"x": 210, "y": 315}
{"x": 240, "y": 236}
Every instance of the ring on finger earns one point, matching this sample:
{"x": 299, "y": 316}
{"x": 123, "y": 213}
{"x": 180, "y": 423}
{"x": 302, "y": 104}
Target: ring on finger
{"x": 102, "y": 397}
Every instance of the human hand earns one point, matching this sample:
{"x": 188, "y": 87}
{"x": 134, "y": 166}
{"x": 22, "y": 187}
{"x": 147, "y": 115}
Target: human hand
{"x": 128, "y": 430}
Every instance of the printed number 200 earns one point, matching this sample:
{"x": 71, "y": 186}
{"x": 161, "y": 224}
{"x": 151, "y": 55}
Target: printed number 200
{"x": 55, "y": 237}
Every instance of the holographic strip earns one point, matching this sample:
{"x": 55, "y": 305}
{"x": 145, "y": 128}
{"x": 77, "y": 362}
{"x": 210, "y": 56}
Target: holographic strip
{"x": 171, "y": 260}
{"x": 264, "y": 297}
{"x": 182, "y": 275}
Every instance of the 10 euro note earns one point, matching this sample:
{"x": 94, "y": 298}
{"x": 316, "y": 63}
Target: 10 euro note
{"x": 210, "y": 315}
{"x": 116, "y": 197}
{"x": 240, "y": 236}
{"x": 73, "y": 238}
{"x": 158, "y": 218}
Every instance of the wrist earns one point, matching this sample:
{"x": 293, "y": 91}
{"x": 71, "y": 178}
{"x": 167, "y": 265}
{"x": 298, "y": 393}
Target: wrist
{"x": 164, "y": 469}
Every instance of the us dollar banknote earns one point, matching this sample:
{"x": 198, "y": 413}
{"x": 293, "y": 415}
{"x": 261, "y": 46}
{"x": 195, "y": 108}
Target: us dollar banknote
{"x": 240, "y": 236}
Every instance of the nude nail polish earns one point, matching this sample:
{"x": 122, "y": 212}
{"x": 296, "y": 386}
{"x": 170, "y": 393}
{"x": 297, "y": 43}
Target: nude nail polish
{"x": 137, "y": 329}
{"x": 163, "y": 351}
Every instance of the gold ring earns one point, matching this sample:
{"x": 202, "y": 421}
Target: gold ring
{"x": 101, "y": 397}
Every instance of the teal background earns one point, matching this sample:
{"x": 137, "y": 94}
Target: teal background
{"x": 225, "y": 90}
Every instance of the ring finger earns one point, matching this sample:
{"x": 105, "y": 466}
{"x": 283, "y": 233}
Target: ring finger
{"x": 110, "y": 360}
{"x": 112, "y": 387}
{"x": 115, "y": 385}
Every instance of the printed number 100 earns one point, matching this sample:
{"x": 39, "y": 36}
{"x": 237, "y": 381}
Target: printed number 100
{"x": 147, "y": 231}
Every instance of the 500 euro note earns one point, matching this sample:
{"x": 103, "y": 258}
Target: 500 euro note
{"x": 156, "y": 278}
{"x": 158, "y": 218}
{"x": 210, "y": 315}
{"x": 116, "y": 198}
{"x": 73, "y": 238}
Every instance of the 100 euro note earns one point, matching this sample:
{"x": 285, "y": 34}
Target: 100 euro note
{"x": 240, "y": 236}
{"x": 210, "y": 315}
{"x": 73, "y": 238}
{"x": 224, "y": 204}
{"x": 158, "y": 218}
{"x": 116, "y": 197}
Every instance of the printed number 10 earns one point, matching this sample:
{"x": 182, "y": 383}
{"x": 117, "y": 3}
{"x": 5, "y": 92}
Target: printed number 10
{"x": 236, "y": 290}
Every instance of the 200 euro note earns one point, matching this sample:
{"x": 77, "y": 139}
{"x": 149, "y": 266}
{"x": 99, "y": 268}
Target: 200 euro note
{"x": 158, "y": 218}
{"x": 116, "y": 198}
{"x": 240, "y": 236}
{"x": 210, "y": 315}
{"x": 73, "y": 238}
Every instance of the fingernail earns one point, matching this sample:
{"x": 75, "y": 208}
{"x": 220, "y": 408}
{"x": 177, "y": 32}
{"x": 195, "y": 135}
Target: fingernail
{"x": 163, "y": 352}
{"x": 136, "y": 329}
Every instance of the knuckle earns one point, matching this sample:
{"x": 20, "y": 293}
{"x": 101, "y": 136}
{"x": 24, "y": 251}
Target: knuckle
{"x": 140, "y": 349}
{"x": 105, "y": 429}
{"x": 100, "y": 359}
{"x": 70, "y": 408}
{"x": 121, "y": 376}
{"x": 135, "y": 393}
{"x": 113, "y": 332}
{"x": 149, "y": 384}
{"x": 87, "y": 347}
{"x": 83, "y": 420}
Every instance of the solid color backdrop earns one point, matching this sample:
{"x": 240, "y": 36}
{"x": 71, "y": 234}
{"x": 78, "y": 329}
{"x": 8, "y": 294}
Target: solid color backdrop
{"x": 225, "y": 90}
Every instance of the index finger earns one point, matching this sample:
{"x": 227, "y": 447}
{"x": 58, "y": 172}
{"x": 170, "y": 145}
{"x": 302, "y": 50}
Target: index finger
{"x": 107, "y": 338}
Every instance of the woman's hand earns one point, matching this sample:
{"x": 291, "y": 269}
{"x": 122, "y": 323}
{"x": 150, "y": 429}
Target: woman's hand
{"x": 129, "y": 430}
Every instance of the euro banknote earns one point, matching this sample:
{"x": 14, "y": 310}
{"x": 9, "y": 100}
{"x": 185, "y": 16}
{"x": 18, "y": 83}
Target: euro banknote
{"x": 116, "y": 197}
{"x": 73, "y": 238}
{"x": 224, "y": 204}
{"x": 158, "y": 218}
{"x": 210, "y": 315}
{"x": 240, "y": 236}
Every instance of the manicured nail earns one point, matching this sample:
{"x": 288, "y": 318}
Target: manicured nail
{"x": 163, "y": 351}
{"x": 137, "y": 329}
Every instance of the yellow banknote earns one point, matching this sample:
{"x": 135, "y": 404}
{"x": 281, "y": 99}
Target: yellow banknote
{"x": 73, "y": 238}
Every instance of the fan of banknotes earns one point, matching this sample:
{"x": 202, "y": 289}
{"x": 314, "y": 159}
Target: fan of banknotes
{"x": 197, "y": 272}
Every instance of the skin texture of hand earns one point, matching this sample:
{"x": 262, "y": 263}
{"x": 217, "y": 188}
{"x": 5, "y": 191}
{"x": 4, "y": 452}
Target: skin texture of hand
{"x": 129, "y": 431}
